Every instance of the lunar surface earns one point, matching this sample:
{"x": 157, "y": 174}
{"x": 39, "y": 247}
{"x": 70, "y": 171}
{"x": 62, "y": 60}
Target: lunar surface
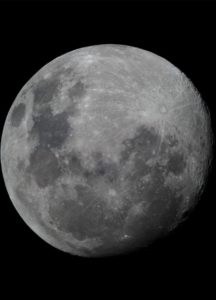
{"x": 106, "y": 149}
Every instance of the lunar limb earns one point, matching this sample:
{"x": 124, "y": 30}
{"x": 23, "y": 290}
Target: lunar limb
{"x": 105, "y": 149}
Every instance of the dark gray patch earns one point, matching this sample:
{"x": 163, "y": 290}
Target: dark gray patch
{"x": 198, "y": 121}
{"x": 113, "y": 222}
{"x": 135, "y": 179}
{"x": 21, "y": 195}
{"x": 170, "y": 141}
{"x": 83, "y": 218}
{"x": 18, "y": 114}
{"x": 23, "y": 198}
{"x": 21, "y": 165}
{"x": 203, "y": 142}
{"x": 164, "y": 203}
{"x": 44, "y": 167}
{"x": 139, "y": 188}
{"x": 162, "y": 212}
{"x": 163, "y": 200}
{"x": 140, "y": 166}
{"x": 176, "y": 163}
{"x": 164, "y": 206}
{"x": 142, "y": 146}
{"x": 75, "y": 165}
{"x": 143, "y": 143}
{"x": 108, "y": 170}
{"x": 77, "y": 91}
{"x": 52, "y": 130}
{"x": 86, "y": 216}
{"x": 68, "y": 72}
{"x": 45, "y": 90}
{"x": 158, "y": 172}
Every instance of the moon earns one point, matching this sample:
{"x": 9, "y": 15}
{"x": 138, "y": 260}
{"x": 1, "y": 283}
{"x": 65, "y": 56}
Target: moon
{"x": 106, "y": 149}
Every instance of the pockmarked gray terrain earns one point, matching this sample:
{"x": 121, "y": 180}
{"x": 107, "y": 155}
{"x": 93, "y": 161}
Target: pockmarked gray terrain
{"x": 106, "y": 149}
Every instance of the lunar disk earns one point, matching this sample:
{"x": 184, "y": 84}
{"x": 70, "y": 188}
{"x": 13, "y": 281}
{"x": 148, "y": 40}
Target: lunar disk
{"x": 106, "y": 149}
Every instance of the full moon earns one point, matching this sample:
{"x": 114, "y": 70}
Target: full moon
{"x": 105, "y": 150}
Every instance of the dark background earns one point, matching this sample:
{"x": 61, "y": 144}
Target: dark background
{"x": 34, "y": 33}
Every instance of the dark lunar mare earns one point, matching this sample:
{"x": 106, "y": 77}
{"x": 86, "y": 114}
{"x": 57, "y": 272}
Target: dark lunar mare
{"x": 163, "y": 201}
{"x": 32, "y": 209}
{"x": 78, "y": 90}
{"x": 141, "y": 147}
{"x": 74, "y": 166}
{"x": 164, "y": 205}
{"x": 46, "y": 89}
{"x": 44, "y": 166}
{"x": 107, "y": 170}
{"x": 176, "y": 159}
{"x": 18, "y": 114}
{"x": 88, "y": 217}
{"x": 75, "y": 93}
{"x": 176, "y": 163}
{"x": 81, "y": 217}
{"x": 141, "y": 144}
{"x": 51, "y": 132}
